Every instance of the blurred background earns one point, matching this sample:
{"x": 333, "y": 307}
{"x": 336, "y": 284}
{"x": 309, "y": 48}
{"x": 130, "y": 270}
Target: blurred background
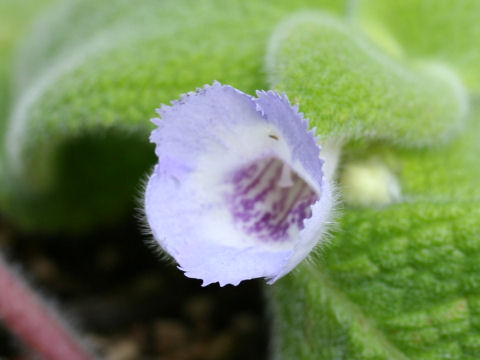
{"x": 129, "y": 305}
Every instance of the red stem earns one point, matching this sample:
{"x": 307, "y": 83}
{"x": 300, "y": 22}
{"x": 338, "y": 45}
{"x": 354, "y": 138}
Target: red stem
{"x": 33, "y": 322}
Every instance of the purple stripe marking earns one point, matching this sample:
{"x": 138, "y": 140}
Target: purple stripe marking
{"x": 263, "y": 208}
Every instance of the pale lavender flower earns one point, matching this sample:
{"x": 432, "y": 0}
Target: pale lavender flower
{"x": 238, "y": 192}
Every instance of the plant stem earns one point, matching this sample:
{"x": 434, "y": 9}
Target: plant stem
{"x": 32, "y": 321}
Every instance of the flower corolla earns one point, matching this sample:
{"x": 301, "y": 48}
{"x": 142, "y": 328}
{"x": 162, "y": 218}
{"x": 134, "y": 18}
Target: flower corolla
{"x": 238, "y": 191}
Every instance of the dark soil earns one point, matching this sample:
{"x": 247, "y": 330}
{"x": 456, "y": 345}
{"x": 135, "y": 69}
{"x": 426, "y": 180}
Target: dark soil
{"x": 130, "y": 304}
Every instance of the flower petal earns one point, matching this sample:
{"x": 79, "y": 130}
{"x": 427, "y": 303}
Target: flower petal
{"x": 238, "y": 192}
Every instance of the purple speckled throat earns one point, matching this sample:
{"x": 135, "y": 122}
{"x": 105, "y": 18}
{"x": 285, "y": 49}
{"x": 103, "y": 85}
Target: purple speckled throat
{"x": 269, "y": 200}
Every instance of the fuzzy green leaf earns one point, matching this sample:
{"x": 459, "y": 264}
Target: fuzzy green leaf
{"x": 16, "y": 17}
{"x": 443, "y": 30}
{"x": 350, "y": 89}
{"x": 397, "y": 282}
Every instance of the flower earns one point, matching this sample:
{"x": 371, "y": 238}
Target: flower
{"x": 238, "y": 192}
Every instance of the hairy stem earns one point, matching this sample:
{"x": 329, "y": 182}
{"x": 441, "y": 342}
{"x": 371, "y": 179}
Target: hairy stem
{"x": 33, "y": 322}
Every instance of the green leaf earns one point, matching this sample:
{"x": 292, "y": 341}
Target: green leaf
{"x": 448, "y": 174}
{"x": 400, "y": 281}
{"x": 396, "y": 283}
{"x": 16, "y": 17}
{"x": 352, "y": 90}
{"x": 445, "y": 30}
